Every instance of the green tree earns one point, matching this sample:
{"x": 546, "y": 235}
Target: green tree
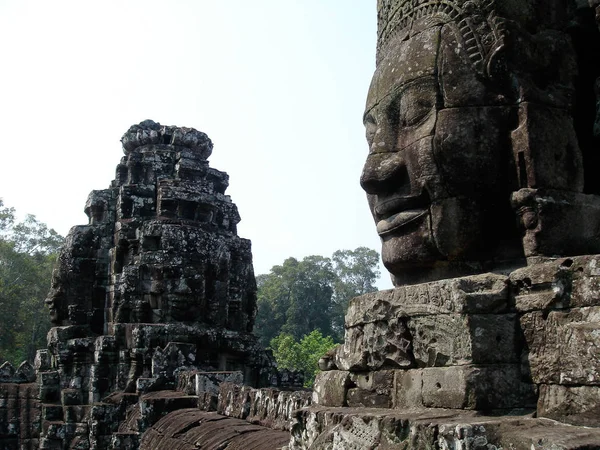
{"x": 356, "y": 274}
{"x": 28, "y": 250}
{"x": 295, "y": 298}
{"x": 298, "y": 297}
{"x": 301, "y": 355}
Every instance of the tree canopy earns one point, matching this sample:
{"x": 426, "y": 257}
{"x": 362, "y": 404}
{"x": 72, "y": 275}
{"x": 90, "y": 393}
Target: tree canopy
{"x": 302, "y": 356}
{"x": 28, "y": 250}
{"x": 298, "y": 297}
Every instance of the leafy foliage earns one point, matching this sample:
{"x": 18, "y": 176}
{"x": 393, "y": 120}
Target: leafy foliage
{"x": 356, "y": 273}
{"x": 301, "y": 305}
{"x": 303, "y": 355}
{"x": 298, "y": 297}
{"x": 28, "y": 250}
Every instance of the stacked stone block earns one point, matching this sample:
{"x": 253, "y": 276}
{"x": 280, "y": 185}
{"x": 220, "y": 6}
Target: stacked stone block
{"x": 445, "y": 344}
{"x": 20, "y": 407}
{"x": 157, "y": 283}
{"x": 523, "y": 344}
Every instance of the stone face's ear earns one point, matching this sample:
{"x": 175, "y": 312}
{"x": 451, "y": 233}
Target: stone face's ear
{"x": 546, "y": 150}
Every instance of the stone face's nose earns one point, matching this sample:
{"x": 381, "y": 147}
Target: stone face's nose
{"x": 384, "y": 173}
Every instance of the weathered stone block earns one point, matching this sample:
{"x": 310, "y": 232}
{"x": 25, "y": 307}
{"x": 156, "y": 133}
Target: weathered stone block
{"x": 42, "y": 360}
{"x": 373, "y": 389}
{"x": 52, "y": 412}
{"x": 25, "y": 373}
{"x": 477, "y": 294}
{"x": 125, "y": 441}
{"x": 546, "y": 145}
{"x": 208, "y": 401}
{"x": 563, "y": 347}
{"x": 558, "y": 222}
{"x": 76, "y": 413}
{"x": 7, "y": 372}
{"x": 431, "y": 324}
{"x": 49, "y": 383}
{"x": 210, "y": 381}
{"x": 361, "y": 398}
{"x": 330, "y": 388}
{"x": 71, "y": 397}
{"x": 234, "y": 400}
{"x": 480, "y": 388}
{"x": 319, "y": 427}
{"x": 408, "y": 389}
{"x": 453, "y": 339}
{"x": 560, "y": 284}
{"x": 577, "y": 405}
{"x": 375, "y": 345}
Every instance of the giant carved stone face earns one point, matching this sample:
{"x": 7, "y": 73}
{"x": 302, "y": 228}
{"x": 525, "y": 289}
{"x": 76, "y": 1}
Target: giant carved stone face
{"x": 435, "y": 176}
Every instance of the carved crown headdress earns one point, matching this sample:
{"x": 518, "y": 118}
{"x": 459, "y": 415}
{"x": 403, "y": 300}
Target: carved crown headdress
{"x": 479, "y": 27}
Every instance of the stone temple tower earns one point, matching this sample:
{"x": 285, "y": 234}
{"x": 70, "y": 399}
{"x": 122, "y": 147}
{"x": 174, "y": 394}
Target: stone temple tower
{"x": 157, "y": 280}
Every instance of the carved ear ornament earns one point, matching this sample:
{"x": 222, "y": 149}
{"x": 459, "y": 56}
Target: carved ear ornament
{"x": 481, "y": 31}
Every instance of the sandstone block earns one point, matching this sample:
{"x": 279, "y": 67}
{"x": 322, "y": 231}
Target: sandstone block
{"x": 330, "y": 388}
{"x": 70, "y": 397}
{"x": 408, "y": 389}
{"x": 560, "y": 284}
{"x": 209, "y": 381}
{"x": 360, "y": 398}
{"x": 453, "y": 339}
{"x": 480, "y": 388}
{"x": 234, "y": 400}
{"x": 563, "y": 347}
{"x": 577, "y": 405}
{"x": 375, "y": 345}
{"x": 558, "y": 222}
{"x": 373, "y": 389}
{"x": 447, "y": 322}
{"x": 52, "y": 412}
{"x": 486, "y": 293}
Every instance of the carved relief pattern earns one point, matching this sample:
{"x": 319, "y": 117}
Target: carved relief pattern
{"x": 479, "y": 27}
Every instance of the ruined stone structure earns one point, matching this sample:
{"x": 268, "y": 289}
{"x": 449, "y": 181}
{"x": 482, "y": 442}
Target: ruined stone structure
{"x": 482, "y": 126}
{"x": 155, "y": 293}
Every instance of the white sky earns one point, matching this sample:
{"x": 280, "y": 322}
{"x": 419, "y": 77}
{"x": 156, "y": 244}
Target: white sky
{"x": 278, "y": 85}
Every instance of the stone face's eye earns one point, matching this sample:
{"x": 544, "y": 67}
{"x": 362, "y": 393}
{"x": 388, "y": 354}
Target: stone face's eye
{"x": 393, "y": 114}
{"x": 415, "y": 104}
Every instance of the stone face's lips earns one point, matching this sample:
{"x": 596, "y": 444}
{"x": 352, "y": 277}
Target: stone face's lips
{"x": 395, "y": 212}
{"x": 389, "y": 206}
{"x": 398, "y": 220}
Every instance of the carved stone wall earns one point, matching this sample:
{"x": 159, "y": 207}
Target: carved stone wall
{"x": 482, "y": 162}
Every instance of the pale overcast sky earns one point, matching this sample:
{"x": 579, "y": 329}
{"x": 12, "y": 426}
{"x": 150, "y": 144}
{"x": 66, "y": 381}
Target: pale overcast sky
{"x": 278, "y": 85}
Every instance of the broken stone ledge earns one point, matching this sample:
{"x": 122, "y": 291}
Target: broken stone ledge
{"x": 355, "y": 428}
